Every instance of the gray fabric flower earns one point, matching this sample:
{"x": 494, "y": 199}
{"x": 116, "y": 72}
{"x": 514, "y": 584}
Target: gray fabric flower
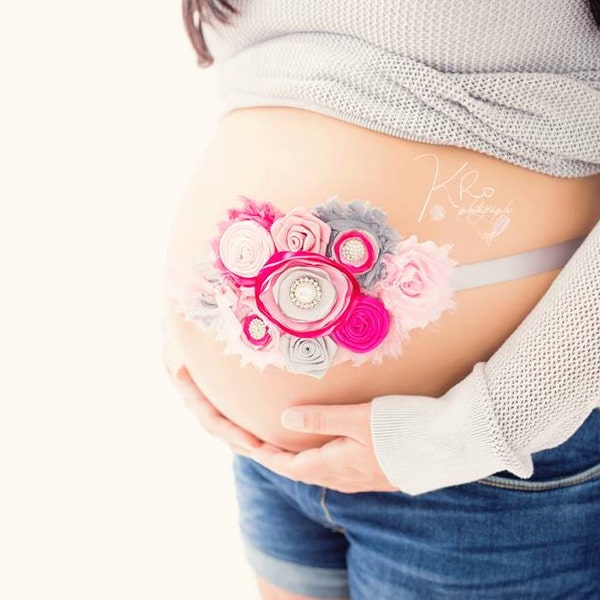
{"x": 359, "y": 214}
{"x": 200, "y": 306}
{"x": 308, "y": 356}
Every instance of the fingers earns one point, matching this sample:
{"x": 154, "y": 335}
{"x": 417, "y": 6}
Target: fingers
{"x": 195, "y": 400}
{"x": 199, "y": 405}
{"x": 226, "y": 430}
{"x": 294, "y": 465}
{"x": 209, "y": 417}
{"x": 329, "y": 419}
{"x": 307, "y": 465}
{"x": 240, "y": 450}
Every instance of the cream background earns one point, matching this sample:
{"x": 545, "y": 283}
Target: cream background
{"x": 108, "y": 486}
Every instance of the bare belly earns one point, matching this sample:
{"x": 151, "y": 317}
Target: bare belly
{"x": 292, "y": 157}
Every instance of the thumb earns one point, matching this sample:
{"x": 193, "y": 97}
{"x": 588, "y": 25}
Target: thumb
{"x": 348, "y": 420}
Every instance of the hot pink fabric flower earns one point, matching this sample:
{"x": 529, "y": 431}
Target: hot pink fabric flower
{"x": 301, "y": 230}
{"x": 244, "y": 242}
{"x": 416, "y": 288}
{"x": 304, "y": 293}
{"x": 392, "y": 346}
{"x": 256, "y": 331}
{"x": 365, "y": 326}
{"x": 357, "y": 250}
{"x": 264, "y": 213}
{"x": 237, "y": 329}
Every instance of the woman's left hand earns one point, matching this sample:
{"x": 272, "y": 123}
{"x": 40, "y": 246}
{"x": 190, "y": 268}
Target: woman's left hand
{"x": 346, "y": 464}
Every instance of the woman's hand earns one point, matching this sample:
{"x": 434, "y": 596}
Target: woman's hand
{"x": 346, "y": 464}
{"x": 216, "y": 424}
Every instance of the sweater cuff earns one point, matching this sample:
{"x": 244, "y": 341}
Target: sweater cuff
{"x": 423, "y": 443}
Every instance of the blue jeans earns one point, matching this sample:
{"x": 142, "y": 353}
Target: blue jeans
{"x": 498, "y": 538}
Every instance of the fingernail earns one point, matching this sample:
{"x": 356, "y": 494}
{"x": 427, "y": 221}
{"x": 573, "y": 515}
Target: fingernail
{"x": 293, "y": 419}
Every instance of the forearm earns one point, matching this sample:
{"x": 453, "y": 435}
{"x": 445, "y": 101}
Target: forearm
{"x": 545, "y": 379}
{"x": 532, "y": 394}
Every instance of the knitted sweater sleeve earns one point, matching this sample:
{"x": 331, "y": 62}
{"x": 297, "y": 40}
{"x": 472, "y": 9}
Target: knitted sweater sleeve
{"x": 532, "y": 394}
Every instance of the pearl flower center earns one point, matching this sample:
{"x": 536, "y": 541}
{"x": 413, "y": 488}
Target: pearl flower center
{"x": 353, "y": 250}
{"x": 257, "y": 328}
{"x": 305, "y": 292}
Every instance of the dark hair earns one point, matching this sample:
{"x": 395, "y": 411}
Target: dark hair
{"x": 195, "y": 12}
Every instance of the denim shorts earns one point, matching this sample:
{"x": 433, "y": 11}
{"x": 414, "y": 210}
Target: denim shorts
{"x": 500, "y": 538}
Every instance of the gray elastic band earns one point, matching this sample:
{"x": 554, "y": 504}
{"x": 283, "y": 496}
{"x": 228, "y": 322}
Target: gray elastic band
{"x": 514, "y": 266}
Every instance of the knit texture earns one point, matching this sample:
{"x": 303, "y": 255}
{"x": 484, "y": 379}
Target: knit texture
{"x": 545, "y": 379}
{"x": 512, "y": 79}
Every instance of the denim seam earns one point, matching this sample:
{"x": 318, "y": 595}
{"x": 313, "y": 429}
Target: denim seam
{"x": 323, "y": 503}
{"x": 539, "y": 486}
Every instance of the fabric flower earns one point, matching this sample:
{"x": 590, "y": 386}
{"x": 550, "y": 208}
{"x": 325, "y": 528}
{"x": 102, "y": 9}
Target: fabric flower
{"x": 311, "y": 356}
{"x": 416, "y": 288}
{"x": 244, "y": 242}
{"x": 193, "y": 284}
{"x": 301, "y": 230}
{"x": 235, "y": 310}
{"x": 359, "y": 215}
{"x": 365, "y": 326}
{"x": 244, "y": 248}
{"x": 304, "y": 293}
{"x": 211, "y": 301}
{"x": 263, "y": 213}
{"x": 256, "y": 331}
{"x": 285, "y": 289}
{"x": 357, "y": 250}
{"x": 391, "y": 347}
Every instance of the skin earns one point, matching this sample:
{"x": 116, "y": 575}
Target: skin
{"x": 294, "y": 157}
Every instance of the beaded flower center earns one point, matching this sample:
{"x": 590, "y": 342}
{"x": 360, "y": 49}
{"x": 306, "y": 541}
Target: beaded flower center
{"x": 305, "y": 292}
{"x": 353, "y": 250}
{"x": 257, "y": 328}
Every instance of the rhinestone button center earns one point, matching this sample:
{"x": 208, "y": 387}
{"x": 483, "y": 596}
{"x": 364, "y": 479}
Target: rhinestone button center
{"x": 353, "y": 250}
{"x": 257, "y": 328}
{"x": 305, "y": 292}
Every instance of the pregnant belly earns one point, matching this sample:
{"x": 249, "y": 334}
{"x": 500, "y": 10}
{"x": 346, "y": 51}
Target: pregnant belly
{"x": 292, "y": 157}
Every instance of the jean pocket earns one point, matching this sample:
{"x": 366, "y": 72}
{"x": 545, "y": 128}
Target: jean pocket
{"x": 572, "y": 463}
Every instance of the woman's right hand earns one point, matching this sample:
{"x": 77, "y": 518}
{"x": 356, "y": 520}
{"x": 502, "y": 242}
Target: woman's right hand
{"x": 216, "y": 424}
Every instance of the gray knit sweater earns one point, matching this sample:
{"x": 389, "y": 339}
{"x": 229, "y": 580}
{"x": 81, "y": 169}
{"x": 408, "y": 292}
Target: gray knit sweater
{"x": 515, "y": 79}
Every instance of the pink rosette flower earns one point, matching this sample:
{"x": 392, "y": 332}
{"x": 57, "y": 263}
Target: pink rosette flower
{"x": 244, "y": 247}
{"x": 416, "y": 288}
{"x": 301, "y": 230}
{"x": 244, "y": 242}
{"x": 365, "y": 326}
{"x": 304, "y": 293}
{"x": 356, "y": 249}
{"x": 241, "y": 332}
{"x": 256, "y": 331}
